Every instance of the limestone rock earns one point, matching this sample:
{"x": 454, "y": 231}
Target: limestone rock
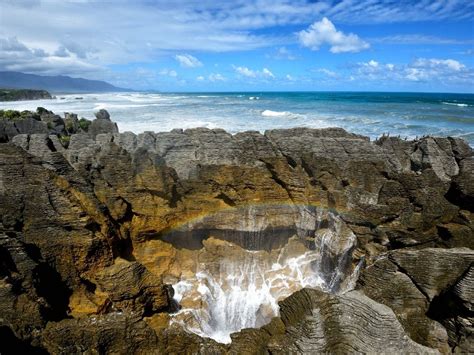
{"x": 132, "y": 288}
{"x": 102, "y": 124}
{"x": 462, "y": 188}
{"x": 110, "y": 333}
{"x": 386, "y": 284}
{"x": 9, "y": 129}
{"x": 54, "y": 122}
{"x": 426, "y": 288}
{"x": 322, "y": 323}
{"x": 102, "y": 115}
{"x": 71, "y": 123}
{"x": 433, "y": 270}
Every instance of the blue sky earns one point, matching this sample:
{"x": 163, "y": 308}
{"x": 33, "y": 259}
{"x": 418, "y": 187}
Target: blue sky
{"x": 239, "y": 45}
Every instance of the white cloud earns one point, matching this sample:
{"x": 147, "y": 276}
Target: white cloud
{"x": 216, "y": 77}
{"x": 439, "y": 63}
{"x": 328, "y": 72}
{"x": 17, "y": 56}
{"x": 188, "y": 61}
{"x": 246, "y": 72}
{"x": 250, "y": 73}
{"x": 284, "y": 53}
{"x": 168, "y": 72}
{"x": 370, "y": 11}
{"x": 267, "y": 73}
{"x": 62, "y": 52}
{"x": 422, "y": 70}
{"x": 213, "y": 77}
{"x": 12, "y": 44}
{"x": 417, "y": 39}
{"x": 373, "y": 63}
{"x": 415, "y": 74}
{"x": 324, "y": 32}
{"x": 289, "y": 77}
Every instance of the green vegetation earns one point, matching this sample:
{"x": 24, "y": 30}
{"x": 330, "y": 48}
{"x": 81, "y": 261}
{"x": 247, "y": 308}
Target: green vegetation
{"x": 42, "y": 110}
{"x": 12, "y": 115}
{"x": 64, "y": 140}
{"x": 84, "y": 124}
{"x": 23, "y": 94}
{"x": 69, "y": 126}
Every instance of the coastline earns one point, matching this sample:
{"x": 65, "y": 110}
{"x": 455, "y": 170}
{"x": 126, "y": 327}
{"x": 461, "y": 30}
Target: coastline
{"x": 408, "y": 116}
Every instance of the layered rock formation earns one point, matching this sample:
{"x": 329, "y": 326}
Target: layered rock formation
{"x": 93, "y": 232}
{"x": 25, "y": 123}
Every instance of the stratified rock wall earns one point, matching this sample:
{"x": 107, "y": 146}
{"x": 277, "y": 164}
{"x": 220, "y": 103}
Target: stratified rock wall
{"x": 83, "y": 224}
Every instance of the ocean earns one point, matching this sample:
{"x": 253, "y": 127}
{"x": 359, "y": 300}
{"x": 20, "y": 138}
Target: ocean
{"x": 368, "y": 113}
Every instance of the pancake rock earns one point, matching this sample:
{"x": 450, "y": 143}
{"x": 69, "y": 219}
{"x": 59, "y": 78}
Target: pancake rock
{"x": 199, "y": 241}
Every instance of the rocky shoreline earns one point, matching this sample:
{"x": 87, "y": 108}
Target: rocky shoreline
{"x": 97, "y": 224}
{"x": 23, "y": 94}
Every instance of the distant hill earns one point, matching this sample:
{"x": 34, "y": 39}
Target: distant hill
{"x": 59, "y": 83}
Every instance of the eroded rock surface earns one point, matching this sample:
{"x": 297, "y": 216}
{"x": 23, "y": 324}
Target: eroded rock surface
{"x": 108, "y": 219}
{"x": 317, "y": 322}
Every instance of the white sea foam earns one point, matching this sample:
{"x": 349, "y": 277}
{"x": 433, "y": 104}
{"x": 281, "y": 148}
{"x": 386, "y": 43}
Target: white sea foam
{"x": 286, "y": 114}
{"x": 140, "y": 112}
{"x": 243, "y": 291}
{"x": 455, "y": 104}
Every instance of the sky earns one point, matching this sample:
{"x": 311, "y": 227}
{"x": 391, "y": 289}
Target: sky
{"x": 260, "y": 45}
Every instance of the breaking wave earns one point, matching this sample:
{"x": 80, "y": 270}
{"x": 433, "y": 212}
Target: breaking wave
{"x": 455, "y": 104}
{"x": 242, "y": 288}
{"x": 285, "y": 114}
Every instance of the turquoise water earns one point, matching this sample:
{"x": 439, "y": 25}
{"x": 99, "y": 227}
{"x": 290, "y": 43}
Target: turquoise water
{"x": 372, "y": 114}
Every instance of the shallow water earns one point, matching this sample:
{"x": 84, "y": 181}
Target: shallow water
{"x": 372, "y": 114}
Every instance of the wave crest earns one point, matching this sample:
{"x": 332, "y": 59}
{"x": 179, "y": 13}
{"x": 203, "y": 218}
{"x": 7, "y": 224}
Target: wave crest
{"x": 455, "y": 104}
{"x": 286, "y": 114}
